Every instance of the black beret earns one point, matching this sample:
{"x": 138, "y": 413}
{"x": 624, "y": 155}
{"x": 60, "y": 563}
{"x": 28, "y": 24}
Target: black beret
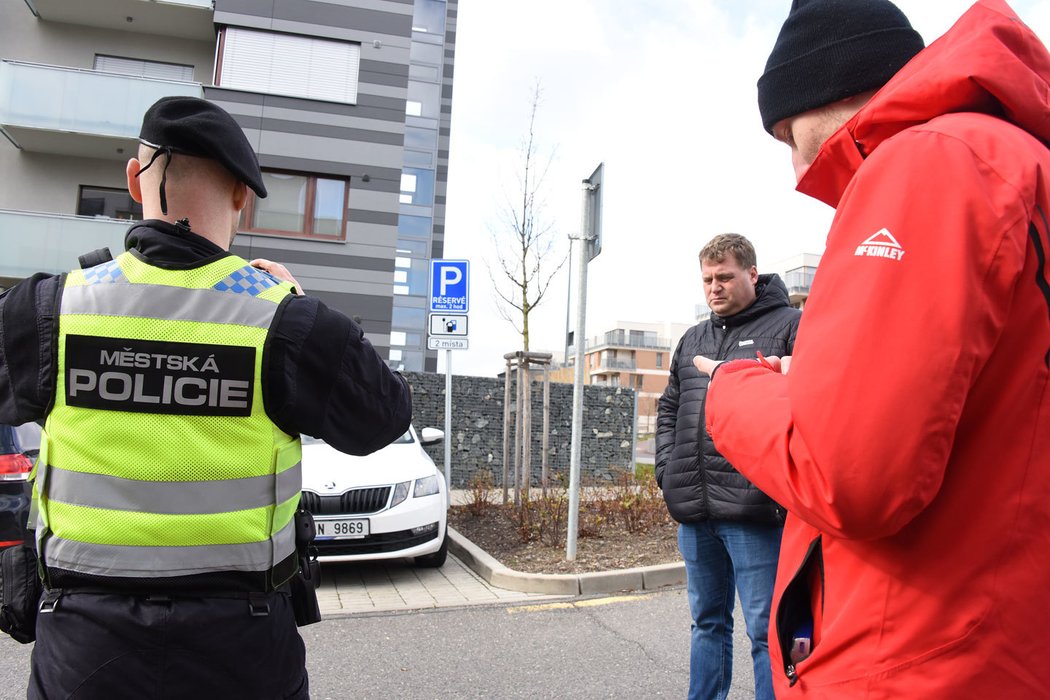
{"x": 199, "y": 128}
{"x": 829, "y": 50}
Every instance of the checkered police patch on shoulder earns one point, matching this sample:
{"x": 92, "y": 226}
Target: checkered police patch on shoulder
{"x": 146, "y": 376}
{"x": 106, "y": 273}
{"x": 247, "y": 280}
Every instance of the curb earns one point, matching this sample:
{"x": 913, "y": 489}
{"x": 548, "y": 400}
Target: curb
{"x": 498, "y": 575}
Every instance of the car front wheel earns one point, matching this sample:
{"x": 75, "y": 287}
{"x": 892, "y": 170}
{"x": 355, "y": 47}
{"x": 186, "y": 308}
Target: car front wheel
{"x": 436, "y": 559}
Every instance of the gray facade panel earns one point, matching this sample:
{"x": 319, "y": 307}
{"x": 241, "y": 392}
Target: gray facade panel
{"x": 330, "y": 15}
{"x": 370, "y": 78}
{"x": 318, "y": 148}
{"x": 381, "y": 179}
{"x": 384, "y": 67}
{"x": 259, "y": 249}
{"x": 391, "y": 183}
{"x": 335, "y": 132}
{"x": 369, "y": 107}
{"x": 372, "y": 217}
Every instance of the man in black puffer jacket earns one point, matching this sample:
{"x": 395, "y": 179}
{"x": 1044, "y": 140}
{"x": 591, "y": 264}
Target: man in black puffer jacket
{"x": 729, "y": 531}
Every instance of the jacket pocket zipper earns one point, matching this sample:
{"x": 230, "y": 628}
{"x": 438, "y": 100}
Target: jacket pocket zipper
{"x": 794, "y": 609}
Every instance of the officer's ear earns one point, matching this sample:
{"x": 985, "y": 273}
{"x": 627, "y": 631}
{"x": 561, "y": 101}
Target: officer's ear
{"x": 134, "y": 186}
{"x": 240, "y": 196}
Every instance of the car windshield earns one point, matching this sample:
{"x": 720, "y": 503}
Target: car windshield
{"x": 405, "y": 438}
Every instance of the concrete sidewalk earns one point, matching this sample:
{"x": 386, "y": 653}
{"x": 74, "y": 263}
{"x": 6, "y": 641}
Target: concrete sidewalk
{"x": 469, "y": 577}
{"x": 398, "y": 585}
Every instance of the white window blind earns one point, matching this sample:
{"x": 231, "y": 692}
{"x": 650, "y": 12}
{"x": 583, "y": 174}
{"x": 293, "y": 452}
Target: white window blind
{"x": 286, "y": 64}
{"x": 144, "y": 69}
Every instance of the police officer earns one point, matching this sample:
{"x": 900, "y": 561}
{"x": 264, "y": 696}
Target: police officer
{"x": 175, "y": 381}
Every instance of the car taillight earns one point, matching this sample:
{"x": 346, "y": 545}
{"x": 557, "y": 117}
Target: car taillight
{"x": 15, "y": 467}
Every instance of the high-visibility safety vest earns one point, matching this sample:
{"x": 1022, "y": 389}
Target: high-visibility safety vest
{"x": 158, "y": 459}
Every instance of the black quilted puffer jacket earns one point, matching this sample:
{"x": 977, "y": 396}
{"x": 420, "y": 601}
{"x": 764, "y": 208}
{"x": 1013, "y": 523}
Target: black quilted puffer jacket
{"x": 698, "y": 483}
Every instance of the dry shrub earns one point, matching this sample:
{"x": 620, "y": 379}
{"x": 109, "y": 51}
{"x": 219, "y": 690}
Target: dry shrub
{"x": 543, "y": 519}
{"x": 631, "y": 503}
{"x": 480, "y": 487}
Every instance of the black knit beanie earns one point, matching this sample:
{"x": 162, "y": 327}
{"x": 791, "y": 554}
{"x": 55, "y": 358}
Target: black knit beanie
{"x": 829, "y": 50}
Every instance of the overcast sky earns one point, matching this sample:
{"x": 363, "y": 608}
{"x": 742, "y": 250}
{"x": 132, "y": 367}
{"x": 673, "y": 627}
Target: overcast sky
{"x": 663, "y": 92}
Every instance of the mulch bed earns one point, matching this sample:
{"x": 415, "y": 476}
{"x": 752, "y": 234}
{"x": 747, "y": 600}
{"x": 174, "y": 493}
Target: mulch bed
{"x": 495, "y": 531}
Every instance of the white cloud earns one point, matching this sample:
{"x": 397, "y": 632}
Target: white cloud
{"x": 666, "y": 99}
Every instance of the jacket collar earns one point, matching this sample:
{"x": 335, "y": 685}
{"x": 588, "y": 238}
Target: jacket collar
{"x": 989, "y": 62}
{"x": 168, "y": 246}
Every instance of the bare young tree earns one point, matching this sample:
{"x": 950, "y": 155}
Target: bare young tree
{"x": 527, "y": 258}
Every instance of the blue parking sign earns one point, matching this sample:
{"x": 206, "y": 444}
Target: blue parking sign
{"x": 449, "y": 286}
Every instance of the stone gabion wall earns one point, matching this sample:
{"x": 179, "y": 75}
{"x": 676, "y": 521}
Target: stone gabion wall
{"x": 477, "y": 427}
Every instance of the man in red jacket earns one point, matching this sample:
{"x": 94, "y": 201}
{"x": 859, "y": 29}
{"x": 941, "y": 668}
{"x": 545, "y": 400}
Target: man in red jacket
{"x": 910, "y": 442}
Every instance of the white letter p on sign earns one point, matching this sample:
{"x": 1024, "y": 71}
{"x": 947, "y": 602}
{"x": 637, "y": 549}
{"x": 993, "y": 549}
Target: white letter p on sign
{"x": 449, "y": 276}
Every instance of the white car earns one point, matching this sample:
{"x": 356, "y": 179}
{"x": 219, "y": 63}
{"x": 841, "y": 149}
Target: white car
{"x": 390, "y": 504}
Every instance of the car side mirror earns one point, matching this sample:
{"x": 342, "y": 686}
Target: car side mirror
{"x": 429, "y": 436}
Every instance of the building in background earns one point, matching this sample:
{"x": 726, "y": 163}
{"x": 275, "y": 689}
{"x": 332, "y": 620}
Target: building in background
{"x": 635, "y": 355}
{"x": 797, "y": 273}
{"x": 348, "y": 104}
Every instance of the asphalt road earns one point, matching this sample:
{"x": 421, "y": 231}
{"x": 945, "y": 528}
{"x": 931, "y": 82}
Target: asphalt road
{"x": 611, "y": 647}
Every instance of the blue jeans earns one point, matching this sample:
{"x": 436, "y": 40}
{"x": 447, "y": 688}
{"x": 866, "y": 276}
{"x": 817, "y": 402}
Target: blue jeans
{"x": 722, "y": 556}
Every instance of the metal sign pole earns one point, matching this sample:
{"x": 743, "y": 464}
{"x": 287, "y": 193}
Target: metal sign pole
{"x": 448, "y": 422}
{"x": 579, "y": 338}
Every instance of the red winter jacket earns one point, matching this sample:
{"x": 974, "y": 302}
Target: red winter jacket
{"x": 910, "y": 442}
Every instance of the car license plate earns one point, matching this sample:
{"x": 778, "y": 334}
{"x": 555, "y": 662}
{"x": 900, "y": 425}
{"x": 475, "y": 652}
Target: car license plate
{"x": 341, "y": 529}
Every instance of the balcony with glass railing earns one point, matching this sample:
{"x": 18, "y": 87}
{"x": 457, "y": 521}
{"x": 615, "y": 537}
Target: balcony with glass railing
{"x": 617, "y": 365}
{"x": 618, "y": 338}
{"x": 73, "y": 111}
{"x": 32, "y": 242}
{"x": 186, "y": 19}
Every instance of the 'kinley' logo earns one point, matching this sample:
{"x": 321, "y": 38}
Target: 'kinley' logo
{"x": 145, "y": 376}
{"x": 881, "y": 245}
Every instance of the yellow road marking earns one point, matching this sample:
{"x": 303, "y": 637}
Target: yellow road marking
{"x": 590, "y": 603}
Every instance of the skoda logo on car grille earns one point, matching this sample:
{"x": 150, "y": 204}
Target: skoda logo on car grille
{"x": 330, "y": 486}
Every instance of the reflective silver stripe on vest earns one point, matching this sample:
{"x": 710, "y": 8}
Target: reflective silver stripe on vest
{"x": 169, "y": 303}
{"x": 154, "y": 562}
{"x": 172, "y": 497}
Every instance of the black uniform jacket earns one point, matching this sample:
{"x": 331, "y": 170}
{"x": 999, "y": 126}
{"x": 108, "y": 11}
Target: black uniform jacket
{"x": 322, "y": 376}
{"x": 698, "y": 483}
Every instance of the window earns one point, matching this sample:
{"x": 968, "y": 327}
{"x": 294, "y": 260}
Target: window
{"x": 429, "y": 16}
{"x": 410, "y": 276}
{"x": 403, "y": 317}
{"x": 288, "y": 64}
{"x": 659, "y": 360}
{"x": 108, "y": 201}
{"x": 415, "y": 226}
{"x": 144, "y": 69}
{"x": 413, "y": 360}
{"x": 420, "y": 139}
{"x": 637, "y": 381}
{"x": 417, "y": 186}
{"x": 300, "y": 205}
{"x": 424, "y": 100}
{"x": 426, "y": 53}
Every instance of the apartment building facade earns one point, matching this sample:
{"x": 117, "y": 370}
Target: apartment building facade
{"x": 635, "y": 355}
{"x": 347, "y": 103}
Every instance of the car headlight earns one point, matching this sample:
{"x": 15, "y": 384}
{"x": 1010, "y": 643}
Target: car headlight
{"x": 427, "y": 486}
{"x": 400, "y": 493}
